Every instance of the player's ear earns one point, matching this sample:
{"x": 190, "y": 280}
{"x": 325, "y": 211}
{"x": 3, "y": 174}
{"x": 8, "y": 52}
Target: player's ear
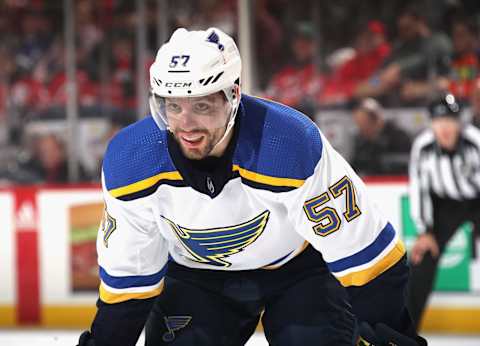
{"x": 236, "y": 90}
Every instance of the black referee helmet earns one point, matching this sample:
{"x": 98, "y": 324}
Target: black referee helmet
{"x": 444, "y": 106}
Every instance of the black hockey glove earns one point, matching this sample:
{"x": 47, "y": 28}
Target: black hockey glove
{"x": 86, "y": 339}
{"x": 383, "y": 335}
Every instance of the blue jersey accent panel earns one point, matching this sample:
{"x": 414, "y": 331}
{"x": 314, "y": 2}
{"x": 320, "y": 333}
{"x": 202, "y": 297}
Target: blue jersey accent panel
{"x": 367, "y": 254}
{"x": 276, "y": 140}
{"x": 137, "y": 152}
{"x": 132, "y": 281}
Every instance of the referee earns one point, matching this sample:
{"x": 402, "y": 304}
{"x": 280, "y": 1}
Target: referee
{"x": 444, "y": 192}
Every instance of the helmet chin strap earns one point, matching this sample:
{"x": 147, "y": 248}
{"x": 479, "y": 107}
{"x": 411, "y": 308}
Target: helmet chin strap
{"x": 228, "y": 129}
{"x": 234, "y": 100}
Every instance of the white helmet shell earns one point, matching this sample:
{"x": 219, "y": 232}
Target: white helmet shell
{"x": 195, "y": 63}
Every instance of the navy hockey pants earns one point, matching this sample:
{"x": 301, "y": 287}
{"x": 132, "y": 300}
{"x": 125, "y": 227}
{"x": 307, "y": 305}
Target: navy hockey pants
{"x": 300, "y": 303}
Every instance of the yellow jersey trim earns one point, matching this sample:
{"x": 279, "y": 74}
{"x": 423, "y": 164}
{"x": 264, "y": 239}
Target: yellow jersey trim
{"x": 266, "y": 179}
{"x": 112, "y": 298}
{"x": 145, "y": 183}
{"x": 364, "y": 276}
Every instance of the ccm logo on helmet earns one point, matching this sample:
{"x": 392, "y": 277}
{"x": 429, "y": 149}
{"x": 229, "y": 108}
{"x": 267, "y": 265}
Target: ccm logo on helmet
{"x": 178, "y": 84}
{"x": 173, "y": 84}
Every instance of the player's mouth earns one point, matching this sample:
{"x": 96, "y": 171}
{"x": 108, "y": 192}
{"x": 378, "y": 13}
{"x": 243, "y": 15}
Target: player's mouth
{"x": 191, "y": 140}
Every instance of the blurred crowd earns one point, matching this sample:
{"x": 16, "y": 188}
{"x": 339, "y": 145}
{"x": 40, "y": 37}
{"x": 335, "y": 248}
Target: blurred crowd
{"x": 361, "y": 57}
{"x": 400, "y": 70}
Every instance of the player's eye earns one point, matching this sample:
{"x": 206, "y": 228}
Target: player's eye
{"x": 173, "y": 107}
{"x": 202, "y": 107}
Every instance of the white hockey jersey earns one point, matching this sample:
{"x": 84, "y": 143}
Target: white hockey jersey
{"x": 286, "y": 188}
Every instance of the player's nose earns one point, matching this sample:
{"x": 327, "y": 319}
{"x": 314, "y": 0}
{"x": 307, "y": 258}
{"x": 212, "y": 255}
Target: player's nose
{"x": 187, "y": 120}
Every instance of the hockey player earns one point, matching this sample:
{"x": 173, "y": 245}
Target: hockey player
{"x": 223, "y": 209}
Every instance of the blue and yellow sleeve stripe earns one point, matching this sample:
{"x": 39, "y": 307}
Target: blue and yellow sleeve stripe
{"x": 147, "y": 186}
{"x": 362, "y": 267}
{"x": 116, "y": 289}
{"x": 262, "y": 181}
{"x": 111, "y": 297}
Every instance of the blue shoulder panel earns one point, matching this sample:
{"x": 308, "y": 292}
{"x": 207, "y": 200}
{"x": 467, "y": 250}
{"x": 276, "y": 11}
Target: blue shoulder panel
{"x": 276, "y": 140}
{"x": 135, "y": 157}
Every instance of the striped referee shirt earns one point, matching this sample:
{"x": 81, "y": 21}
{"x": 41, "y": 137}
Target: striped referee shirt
{"x": 447, "y": 175}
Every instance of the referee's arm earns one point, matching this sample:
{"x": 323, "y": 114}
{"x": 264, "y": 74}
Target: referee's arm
{"x": 472, "y": 134}
{"x": 420, "y": 199}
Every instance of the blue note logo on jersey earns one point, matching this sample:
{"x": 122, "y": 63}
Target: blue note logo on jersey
{"x": 173, "y": 324}
{"x": 212, "y": 246}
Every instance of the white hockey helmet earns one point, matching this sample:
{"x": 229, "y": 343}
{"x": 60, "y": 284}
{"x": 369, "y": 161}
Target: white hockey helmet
{"x": 194, "y": 64}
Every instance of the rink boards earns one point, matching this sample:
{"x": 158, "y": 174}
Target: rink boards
{"x": 48, "y": 272}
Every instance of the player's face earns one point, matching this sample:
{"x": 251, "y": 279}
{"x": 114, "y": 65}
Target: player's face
{"x": 197, "y": 123}
{"x": 446, "y": 131}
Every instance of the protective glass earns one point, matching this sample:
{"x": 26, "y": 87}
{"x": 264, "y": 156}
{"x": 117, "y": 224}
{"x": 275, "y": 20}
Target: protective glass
{"x": 191, "y": 113}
